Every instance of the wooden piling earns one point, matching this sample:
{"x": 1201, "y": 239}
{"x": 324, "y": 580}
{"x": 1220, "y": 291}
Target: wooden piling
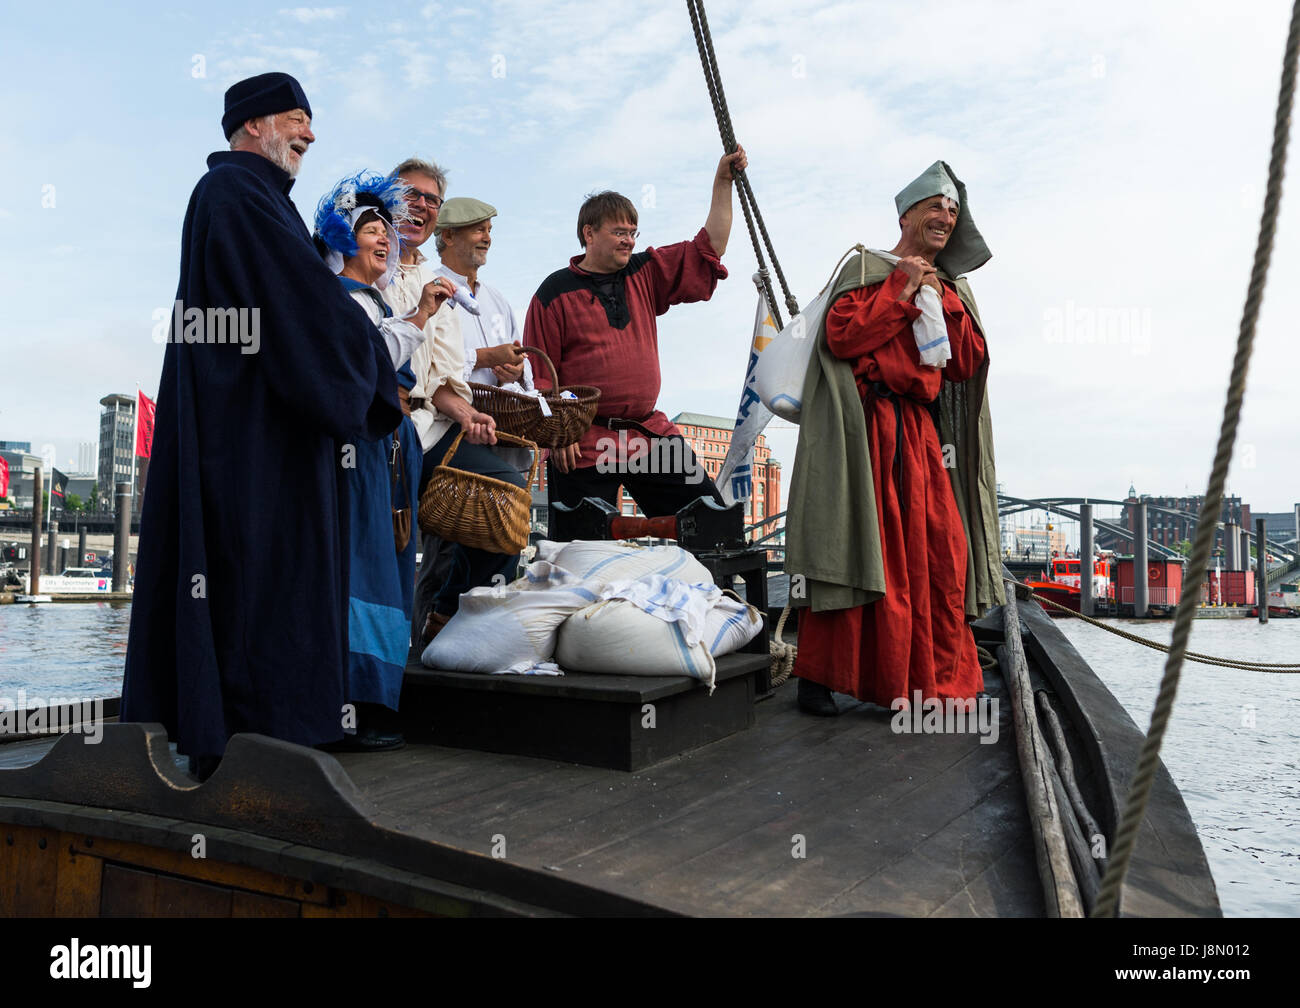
{"x": 1086, "y": 600}
{"x": 1141, "y": 594}
{"x": 34, "y": 554}
{"x": 1232, "y": 547}
{"x": 51, "y": 546}
{"x": 121, "y": 536}
{"x": 1261, "y": 571}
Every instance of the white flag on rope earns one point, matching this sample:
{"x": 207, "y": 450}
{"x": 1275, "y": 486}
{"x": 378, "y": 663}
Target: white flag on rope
{"x": 736, "y": 478}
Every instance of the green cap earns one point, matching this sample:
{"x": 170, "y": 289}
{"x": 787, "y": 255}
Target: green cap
{"x": 966, "y": 249}
{"x": 461, "y": 211}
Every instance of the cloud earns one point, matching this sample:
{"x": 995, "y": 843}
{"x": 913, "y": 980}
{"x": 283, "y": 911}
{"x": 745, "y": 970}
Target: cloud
{"x": 310, "y": 15}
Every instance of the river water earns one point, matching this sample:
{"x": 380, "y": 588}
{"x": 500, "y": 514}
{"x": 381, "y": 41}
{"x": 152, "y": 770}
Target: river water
{"x": 1233, "y": 744}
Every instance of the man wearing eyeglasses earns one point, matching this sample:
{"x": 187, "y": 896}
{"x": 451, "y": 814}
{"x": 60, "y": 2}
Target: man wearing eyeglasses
{"x": 440, "y": 398}
{"x": 596, "y": 321}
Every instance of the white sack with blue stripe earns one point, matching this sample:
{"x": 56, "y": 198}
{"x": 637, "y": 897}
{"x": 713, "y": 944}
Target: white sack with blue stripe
{"x": 599, "y": 563}
{"x": 499, "y": 626}
{"x": 656, "y": 626}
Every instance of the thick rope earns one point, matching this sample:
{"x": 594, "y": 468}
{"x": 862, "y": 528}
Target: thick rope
{"x": 781, "y": 652}
{"x": 1195, "y": 656}
{"x": 743, "y": 179}
{"x": 1149, "y": 759}
{"x": 748, "y": 202}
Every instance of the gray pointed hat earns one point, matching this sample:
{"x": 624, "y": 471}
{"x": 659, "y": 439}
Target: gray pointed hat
{"x": 965, "y": 250}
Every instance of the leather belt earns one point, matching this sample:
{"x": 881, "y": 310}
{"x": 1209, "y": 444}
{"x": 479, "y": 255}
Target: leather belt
{"x": 625, "y": 423}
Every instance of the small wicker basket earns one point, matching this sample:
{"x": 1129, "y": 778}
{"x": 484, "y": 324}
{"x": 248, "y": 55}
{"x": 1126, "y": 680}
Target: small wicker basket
{"x": 522, "y": 415}
{"x": 478, "y": 511}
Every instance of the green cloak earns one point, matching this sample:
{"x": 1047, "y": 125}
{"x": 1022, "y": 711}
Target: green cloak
{"x": 832, "y": 525}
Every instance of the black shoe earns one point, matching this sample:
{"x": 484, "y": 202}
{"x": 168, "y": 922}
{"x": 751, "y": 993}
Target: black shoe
{"x": 376, "y": 731}
{"x": 367, "y": 740}
{"x": 814, "y": 698}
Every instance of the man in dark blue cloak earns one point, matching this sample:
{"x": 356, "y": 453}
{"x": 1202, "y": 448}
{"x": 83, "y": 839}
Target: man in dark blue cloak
{"x": 271, "y": 375}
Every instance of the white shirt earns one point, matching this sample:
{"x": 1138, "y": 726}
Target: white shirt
{"x": 440, "y": 359}
{"x": 494, "y": 325}
{"x": 400, "y": 336}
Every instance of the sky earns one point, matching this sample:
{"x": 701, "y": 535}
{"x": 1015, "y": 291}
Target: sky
{"x": 1115, "y": 156}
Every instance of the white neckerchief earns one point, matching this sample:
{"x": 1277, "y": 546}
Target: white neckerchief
{"x": 929, "y": 328}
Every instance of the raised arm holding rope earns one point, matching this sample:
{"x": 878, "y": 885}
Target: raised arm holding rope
{"x": 595, "y": 319}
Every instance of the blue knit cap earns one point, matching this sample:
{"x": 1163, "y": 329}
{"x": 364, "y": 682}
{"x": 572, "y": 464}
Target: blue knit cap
{"x": 265, "y": 94}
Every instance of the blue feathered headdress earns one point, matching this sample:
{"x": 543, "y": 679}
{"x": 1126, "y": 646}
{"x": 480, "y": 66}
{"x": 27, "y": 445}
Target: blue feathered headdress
{"x": 340, "y": 208}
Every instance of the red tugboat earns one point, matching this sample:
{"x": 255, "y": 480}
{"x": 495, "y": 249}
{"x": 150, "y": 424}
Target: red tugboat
{"x": 1283, "y": 601}
{"x": 1063, "y": 587}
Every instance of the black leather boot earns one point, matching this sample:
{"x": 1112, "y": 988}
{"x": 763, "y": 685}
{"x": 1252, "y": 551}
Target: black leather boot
{"x": 814, "y": 698}
{"x": 376, "y": 732}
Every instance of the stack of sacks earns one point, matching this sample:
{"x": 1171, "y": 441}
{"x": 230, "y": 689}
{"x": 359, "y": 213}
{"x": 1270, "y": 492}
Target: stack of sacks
{"x": 656, "y": 626}
{"x": 500, "y": 626}
{"x": 619, "y": 608}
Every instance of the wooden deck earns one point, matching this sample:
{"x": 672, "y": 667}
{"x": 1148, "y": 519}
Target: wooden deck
{"x": 890, "y": 824}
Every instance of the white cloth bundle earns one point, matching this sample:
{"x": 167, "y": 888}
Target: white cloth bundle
{"x": 929, "y": 329}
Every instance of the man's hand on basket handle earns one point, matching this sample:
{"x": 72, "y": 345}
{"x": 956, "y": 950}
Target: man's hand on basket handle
{"x": 566, "y": 458}
{"x": 479, "y": 428}
{"x": 506, "y": 361}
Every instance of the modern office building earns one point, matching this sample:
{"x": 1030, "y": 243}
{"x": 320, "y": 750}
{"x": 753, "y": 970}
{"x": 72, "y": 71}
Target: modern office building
{"x": 117, "y": 459}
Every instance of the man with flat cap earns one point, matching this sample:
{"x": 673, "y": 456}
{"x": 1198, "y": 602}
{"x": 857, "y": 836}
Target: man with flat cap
{"x": 463, "y": 236}
{"x": 899, "y": 546}
{"x": 239, "y": 620}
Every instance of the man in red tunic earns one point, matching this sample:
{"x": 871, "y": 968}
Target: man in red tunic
{"x": 595, "y": 319}
{"x": 904, "y": 336}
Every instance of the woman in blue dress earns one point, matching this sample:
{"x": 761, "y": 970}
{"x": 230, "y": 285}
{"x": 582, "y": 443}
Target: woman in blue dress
{"x": 356, "y": 233}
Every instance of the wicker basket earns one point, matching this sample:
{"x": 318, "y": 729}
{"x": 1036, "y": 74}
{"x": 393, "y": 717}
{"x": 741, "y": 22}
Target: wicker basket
{"x": 522, "y": 416}
{"x": 478, "y": 511}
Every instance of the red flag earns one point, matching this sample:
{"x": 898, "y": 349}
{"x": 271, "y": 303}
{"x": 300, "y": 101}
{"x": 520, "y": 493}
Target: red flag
{"x": 4, "y": 478}
{"x": 144, "y": 425}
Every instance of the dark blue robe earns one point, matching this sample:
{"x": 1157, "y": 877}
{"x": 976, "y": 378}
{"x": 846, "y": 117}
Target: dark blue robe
{"x": 239, "y": 619}
{"x": 381, "y": 581}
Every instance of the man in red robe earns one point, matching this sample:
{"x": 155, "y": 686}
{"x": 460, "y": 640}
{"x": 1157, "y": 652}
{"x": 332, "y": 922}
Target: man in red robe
{"x": 905, "y": 334}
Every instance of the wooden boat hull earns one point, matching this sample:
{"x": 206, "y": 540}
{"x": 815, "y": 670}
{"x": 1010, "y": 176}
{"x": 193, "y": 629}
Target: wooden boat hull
{"x": 792, "y": 816}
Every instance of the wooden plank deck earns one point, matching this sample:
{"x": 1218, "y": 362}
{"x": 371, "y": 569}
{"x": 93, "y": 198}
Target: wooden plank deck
{"x": 890, "y": 823}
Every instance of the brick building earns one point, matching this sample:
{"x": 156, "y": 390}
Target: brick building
{"x": 1171, "y": 529}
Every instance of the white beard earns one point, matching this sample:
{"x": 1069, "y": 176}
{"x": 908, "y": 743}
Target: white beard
{"x": 275, "y": 148}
